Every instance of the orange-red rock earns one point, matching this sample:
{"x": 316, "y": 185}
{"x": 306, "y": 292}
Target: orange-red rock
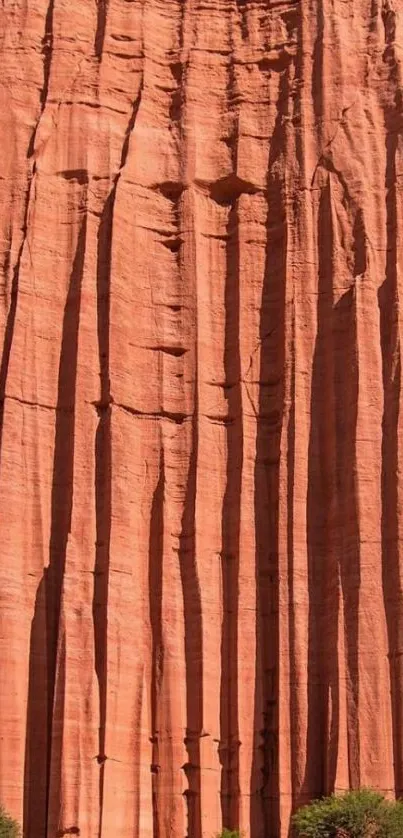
{"x": 201, "y": 487}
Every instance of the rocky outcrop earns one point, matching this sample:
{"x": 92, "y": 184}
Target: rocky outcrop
{"x": 200, "y": 461}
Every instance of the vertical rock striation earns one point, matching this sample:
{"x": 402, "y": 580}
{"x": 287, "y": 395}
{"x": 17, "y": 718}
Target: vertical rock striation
{"x": 201, "y": 255}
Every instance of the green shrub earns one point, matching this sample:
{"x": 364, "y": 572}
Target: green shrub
{"x": 356, "y": 814}
{"x": 229, "y": 833}
{"x": 8, "y": 827}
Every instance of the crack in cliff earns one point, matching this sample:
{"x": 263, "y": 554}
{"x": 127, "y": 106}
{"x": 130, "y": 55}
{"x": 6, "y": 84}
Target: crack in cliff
{"x": 188, "y": 560}
{"x": 322, "y": 627}
{"x": 192, "y": 607}
{"x": 12, "y": 311}
{"x": 47, "y": 50}
{"x": 29, "y": 403}
{"x": 388, "y": 300}
{"x": 227, "y": 191}
{"x": 178, "y": 418}
{"x": 103, "y": 441}
{"x": 102, "y": 13}
{"x": 155, "y": 577}
{"x": 351, "y": 205}
{"x": 62, "y": 504}
{"x": 244, "y": 380}
{"x": 265, "y": 797}
{"x": 324, "y": 160}
{"x": 103, "y": 477}
{"x": 33, "y": 153}
{"x": 228, "y": 747}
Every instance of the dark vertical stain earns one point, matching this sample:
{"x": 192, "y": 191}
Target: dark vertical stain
{"x": 155, "y": 572}
{"x": 10, "y": 324}
{"x": 392, "y": 371}
{"x": 325, "y": 372}
{"x": 12, "y": 311}
{"x": 8, "y": 338}
{"x": 103, "y": 456}
{"x": 54, "y": 825}
{"x": 36, "y": 744}
{"x": 101, "y": 577}
{"x": 47, "y": 50}
{"x": 373, "y": 21}
{"x": 293, "y": 706}
{"x": 323, "y": 575}
{"x": 243, "y": 11}
{"x": 193, "y": 641}
{"x": 192, "y": 606}
{"x": 130, "y": 126}
{"x": 103, "y": 483}
{"x": 317, "y": 68}
{"x": 229, "y": 744}
{"x": 359, "y": 244}
{"x": 299, "y": 215}
{"x": 62, "y": 484}
{"x": 103, "y": 442}
{"x": 346, "y": 407}
{"x": 265, "y": 793}
{"x": 102, "y": 14}
{"x": 389, "y": 24}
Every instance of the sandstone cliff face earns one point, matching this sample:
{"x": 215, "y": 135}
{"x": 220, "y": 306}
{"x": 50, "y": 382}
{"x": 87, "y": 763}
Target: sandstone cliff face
{"x": 201, "y": 412}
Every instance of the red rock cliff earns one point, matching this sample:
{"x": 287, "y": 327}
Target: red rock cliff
{"x": 201, "y": 485}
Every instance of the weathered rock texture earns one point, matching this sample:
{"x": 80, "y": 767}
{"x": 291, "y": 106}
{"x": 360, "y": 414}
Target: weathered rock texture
{"x": 201, "y": 483}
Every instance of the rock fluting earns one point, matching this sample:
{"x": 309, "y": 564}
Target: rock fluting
{"x": 201, "y": 492}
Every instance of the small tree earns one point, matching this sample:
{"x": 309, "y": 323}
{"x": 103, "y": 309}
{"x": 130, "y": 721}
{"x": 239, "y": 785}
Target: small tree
{"x": 8, "y": 827}
{"x": 356, "y": 814}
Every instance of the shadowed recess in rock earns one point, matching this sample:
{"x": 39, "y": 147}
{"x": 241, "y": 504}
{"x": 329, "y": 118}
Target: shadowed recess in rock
{"x": 193, "y": 644}
{"x": 103, "y": 483}
{"x": 62, "y": 496}
{"x": 264, "y": 789}
{"x": 388, "y": 297}
{"x": 229, "y": 743}
{"x": 157, "y": 664}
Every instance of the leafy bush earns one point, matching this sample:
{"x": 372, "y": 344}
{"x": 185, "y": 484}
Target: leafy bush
{"x": 229, "y": 833}
{"x": 356, "y": 814}
{"x": 8, "y": 827}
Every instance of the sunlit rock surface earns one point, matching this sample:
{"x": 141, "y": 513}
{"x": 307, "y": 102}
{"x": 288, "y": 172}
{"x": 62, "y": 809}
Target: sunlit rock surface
{"x": 201, "y": 254}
